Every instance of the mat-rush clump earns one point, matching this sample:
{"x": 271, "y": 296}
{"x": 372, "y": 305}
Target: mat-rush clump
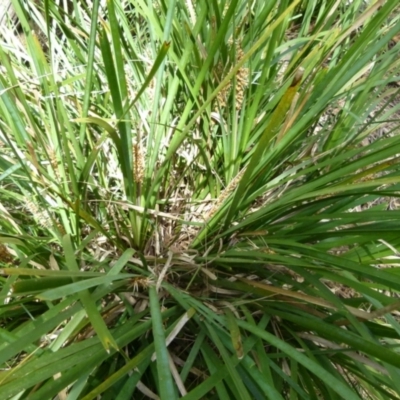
{"x": 199, "y": 200}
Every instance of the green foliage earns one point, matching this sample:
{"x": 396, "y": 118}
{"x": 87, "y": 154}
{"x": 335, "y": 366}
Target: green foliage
{"x": 199, "y": 200}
